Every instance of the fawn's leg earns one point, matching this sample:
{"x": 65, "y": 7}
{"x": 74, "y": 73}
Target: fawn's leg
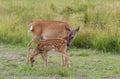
{"x": 66, "y": 55}
{"x": 67, "y": 59}
{"x": 44, "y": 56}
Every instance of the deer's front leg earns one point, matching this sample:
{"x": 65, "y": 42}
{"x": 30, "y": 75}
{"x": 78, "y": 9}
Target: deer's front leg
{"x": 34, "y": 39}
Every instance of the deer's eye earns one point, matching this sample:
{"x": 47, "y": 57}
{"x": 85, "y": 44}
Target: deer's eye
{"x": 72, "y": 37}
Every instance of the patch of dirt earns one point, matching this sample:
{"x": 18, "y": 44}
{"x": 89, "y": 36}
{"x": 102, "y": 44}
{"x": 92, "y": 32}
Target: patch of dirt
{"x": 9, "y": 55}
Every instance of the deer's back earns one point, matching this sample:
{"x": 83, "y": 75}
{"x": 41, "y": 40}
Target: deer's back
{"x": 50, "y": 29}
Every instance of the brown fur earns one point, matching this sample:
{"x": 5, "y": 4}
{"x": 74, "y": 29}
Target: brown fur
{"x": 48, "y": 29}
{"x": 44, "y": 46}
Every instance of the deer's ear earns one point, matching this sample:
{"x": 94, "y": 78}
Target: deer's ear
{"x": 77, "y": 29}
{"x": 68, "y": 29}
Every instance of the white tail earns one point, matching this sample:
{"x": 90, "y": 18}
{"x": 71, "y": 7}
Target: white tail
{"x": 30, "y": 29}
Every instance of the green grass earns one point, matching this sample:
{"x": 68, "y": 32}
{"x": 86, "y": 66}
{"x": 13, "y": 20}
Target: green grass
{"x": 85, "y": 64}
{"x": 99, "y": 21}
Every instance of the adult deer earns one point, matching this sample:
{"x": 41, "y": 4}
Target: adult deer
{"x": 46, "y": 29}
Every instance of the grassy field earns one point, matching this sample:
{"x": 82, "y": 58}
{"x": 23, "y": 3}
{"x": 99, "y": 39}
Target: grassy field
{"x": 99, "y": 20}
{"x": 94, "y": 53}
{"x": 85, "y": 64}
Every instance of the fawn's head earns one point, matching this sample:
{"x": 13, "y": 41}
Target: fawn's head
{"x": 32, "y": 56}
{"x": 71, "y": 35}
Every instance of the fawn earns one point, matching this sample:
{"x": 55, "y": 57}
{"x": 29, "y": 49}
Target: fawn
{"x": 44, "y": 46}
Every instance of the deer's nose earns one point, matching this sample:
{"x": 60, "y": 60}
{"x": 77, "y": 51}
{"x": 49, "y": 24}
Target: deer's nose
{"x": 68, "y": 44}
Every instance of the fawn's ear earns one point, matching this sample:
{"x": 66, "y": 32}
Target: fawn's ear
{"x": 68, "y": 29}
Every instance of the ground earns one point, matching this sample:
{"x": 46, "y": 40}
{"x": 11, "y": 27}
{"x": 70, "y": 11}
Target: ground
{"x": 85, "y": 64}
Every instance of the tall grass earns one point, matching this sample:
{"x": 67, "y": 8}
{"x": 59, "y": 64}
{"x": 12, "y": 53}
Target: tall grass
{"x": 99, "y": 20}
{"x": 99, "y": 39}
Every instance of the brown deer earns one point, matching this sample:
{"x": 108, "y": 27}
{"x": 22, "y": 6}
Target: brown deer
{"x": 46, "y": 29}
{"x": 44, "y": 46}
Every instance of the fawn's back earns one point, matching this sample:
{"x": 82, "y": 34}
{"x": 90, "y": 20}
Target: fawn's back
{"x": 57, "y": 44}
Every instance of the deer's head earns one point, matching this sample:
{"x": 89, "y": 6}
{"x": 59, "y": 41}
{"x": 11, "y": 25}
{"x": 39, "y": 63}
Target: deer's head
{"x": 71, "y": 35}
